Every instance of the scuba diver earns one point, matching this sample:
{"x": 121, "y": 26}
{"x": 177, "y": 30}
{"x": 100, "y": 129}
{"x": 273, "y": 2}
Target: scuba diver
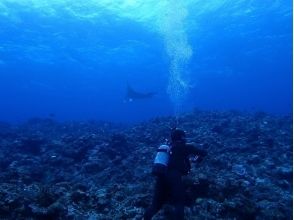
{"x": 170, "y": 164}
{"x": 132, "y": 95}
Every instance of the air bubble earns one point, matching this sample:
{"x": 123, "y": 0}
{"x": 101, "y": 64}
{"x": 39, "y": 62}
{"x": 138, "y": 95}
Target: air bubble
{"x": 178, "y": 50}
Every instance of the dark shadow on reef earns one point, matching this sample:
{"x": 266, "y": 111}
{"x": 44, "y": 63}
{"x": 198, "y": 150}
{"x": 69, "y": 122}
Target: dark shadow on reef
{"x": 98, "y": 170}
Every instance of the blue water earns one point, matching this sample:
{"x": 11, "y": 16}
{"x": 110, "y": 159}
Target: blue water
{"x": 74, "y": 59}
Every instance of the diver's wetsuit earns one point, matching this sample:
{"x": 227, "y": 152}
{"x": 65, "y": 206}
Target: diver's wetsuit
{"x": 169, "y": 187}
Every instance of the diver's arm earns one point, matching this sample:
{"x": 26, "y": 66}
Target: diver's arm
{"x": 192, "y": 149}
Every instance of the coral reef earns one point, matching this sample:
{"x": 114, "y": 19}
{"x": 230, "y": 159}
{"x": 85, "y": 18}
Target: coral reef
{"x": 98, "y": 170}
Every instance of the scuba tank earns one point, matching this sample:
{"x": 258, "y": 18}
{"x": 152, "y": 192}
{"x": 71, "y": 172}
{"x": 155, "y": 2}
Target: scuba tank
{"x": 161, "y": 160}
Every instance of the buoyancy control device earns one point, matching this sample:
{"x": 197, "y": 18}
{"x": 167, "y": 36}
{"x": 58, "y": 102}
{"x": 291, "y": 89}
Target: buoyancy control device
{"x": 161, "y": 159}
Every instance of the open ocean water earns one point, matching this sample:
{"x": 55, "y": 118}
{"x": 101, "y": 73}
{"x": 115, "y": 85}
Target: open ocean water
{"x": 74, "y": 59}
{"x": 90, "y": 88}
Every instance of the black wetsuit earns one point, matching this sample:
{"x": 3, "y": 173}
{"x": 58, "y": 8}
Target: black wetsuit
{"x": 169, "y": 187}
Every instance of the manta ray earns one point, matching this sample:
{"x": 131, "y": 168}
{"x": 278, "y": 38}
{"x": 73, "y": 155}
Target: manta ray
{"x": 132, "y": 95}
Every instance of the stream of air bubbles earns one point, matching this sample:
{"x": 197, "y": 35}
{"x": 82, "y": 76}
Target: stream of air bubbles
{"x": 178, "y": 50}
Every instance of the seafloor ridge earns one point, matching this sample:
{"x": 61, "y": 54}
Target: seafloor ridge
{"x": 98, "y": 170}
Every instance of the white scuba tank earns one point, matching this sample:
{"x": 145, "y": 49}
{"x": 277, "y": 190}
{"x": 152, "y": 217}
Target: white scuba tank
{"x": 161, "y": 159}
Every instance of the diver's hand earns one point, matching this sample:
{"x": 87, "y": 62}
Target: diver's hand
{"x": 196, "y": 159}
